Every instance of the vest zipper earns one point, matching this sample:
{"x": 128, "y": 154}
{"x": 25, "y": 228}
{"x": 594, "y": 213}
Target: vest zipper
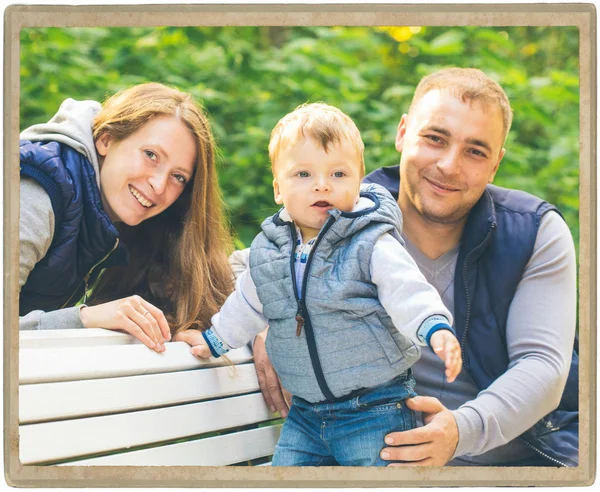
{"x": 468, "y": 316}
{"x": 302, "y": 316}
{"x": 464, "y": 337}
{"x": 87, "y": 277}
{"x": 560, "y": 463}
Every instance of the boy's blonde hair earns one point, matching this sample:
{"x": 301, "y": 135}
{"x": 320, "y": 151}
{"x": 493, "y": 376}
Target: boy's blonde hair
{"x": 325, "y": 124}
{"x": 468, "y": 84}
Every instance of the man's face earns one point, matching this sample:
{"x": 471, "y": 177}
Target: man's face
{"x": 450, "y": 151}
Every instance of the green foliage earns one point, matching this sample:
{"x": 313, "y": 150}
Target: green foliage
{"x": 249, "y": 77}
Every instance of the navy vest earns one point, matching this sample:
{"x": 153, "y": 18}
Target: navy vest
{"x": 501, "y": 230}
{"x": 83, "y": 234}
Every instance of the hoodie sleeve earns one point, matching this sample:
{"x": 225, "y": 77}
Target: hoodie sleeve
{"x": 239, "y": 261}
{"x": 241, "y": 317}
{"x": 36, "y": 226}
{"x": 413, "y": 304}
{"x": 36, "y": 230}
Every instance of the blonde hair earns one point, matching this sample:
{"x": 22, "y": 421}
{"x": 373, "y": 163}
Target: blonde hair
{"x": 467, "y": 84}
{"x": 178, "y": 259}
{"x": 325, "y": 124}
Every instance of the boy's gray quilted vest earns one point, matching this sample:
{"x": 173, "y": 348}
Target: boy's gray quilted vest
{"x": 355, "y": 342}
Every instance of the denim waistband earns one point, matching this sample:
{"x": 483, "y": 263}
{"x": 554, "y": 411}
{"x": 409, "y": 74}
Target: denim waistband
{"x": 404, "y": 384}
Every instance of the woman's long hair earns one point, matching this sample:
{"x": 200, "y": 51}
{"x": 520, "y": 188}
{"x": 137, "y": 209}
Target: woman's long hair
{"x": 178, "y": 259}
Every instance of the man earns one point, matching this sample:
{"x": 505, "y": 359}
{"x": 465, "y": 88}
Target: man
{"x": 503, "y": 262}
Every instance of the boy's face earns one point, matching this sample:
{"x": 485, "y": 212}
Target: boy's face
{"x": 309, "y": 182}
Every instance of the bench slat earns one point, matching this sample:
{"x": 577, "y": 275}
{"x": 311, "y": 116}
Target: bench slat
{"x": 53, "y": 441}
{"x": 103, "y": 396}
{"x": 213, "y": 451}
{"x": 73, "y": 338}
{"x": 96, "y": 362}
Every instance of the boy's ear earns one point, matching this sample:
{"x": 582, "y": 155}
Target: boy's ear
{"x": 103, "y": 144}
{"x": 276, "y": 193}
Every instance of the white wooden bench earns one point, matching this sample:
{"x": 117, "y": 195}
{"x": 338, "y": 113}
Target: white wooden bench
{"x": 97, "y": 397}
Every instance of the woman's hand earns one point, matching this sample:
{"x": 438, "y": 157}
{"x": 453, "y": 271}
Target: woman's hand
{"x": 133, "y": 315}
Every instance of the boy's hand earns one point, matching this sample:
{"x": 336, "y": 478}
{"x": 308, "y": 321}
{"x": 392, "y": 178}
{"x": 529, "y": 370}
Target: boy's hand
{"x": 201, "y": 350}
{"x": 446, "y": 347}
{"x": 196, "y": 340}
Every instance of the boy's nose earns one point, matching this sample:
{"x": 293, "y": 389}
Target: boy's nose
{"x": 321, "y": 184}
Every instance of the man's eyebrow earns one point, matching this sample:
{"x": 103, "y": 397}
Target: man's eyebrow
{"x": 472, "y": 141}
{"x": 438, "y": 129}
{"x": 479, "y": 143}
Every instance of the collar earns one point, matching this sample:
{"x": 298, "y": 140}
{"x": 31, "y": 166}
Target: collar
{"x": 479, "y": 227}
{"x": 363, "y": 203}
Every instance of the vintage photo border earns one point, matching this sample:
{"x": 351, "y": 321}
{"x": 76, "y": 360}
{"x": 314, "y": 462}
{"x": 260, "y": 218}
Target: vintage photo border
{"x": 581, "y": 15}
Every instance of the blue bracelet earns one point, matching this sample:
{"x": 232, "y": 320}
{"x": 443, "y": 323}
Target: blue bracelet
{"x": 215, "y": 344}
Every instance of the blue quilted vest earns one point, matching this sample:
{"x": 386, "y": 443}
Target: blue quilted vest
{"x": 83, "y": 234}
{"x": 501, "y": 230}
{"x": 348, "y": 342}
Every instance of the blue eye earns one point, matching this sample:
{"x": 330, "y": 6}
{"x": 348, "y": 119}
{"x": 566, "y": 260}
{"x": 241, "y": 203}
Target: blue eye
{"x": 180, "y": 178}
{"x": 150, "y": 154}
{"x": 303, "y": 174}
{"x": 339, "y": 174}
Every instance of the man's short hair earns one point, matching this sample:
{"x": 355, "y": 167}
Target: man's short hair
{"x": 325, "y": 124}
{"x": 468, "y": 84}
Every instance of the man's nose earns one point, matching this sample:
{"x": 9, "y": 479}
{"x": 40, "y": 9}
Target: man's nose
{"x": 450, "y": 161}
{"x": 158, "y": 181}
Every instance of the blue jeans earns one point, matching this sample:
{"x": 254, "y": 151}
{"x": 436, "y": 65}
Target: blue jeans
{"x": 349, "y": 432}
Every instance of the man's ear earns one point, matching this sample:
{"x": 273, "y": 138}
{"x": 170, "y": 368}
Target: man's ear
{"x": 103, "y": 144}
{"x": 276, "y": 193}
{"x": 495, "y": 169}
{"x": 401, "y": 132}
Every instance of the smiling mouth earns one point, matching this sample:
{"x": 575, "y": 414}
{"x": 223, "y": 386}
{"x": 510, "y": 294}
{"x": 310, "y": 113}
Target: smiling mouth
{"x": 138, "y": 196}
{"x": 441, "y": 186}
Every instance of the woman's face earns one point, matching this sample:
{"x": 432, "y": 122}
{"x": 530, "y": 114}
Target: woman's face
{"x": 143, "y": 175}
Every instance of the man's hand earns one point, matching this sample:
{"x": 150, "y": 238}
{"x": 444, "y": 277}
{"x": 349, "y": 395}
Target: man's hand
{"x": 431, "y": 445}
{"x": 275, "y": 395}
{"x": 446, "y": 347}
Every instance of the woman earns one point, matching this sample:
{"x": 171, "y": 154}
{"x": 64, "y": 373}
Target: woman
{"x": 130, "y": 187}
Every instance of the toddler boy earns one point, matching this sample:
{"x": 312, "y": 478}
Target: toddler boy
{"x": 346, "y": 305}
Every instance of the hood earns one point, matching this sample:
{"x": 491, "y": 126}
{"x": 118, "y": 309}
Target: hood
{"x": 72, "y": 126}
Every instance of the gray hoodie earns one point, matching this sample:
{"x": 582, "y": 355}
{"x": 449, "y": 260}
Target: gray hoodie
{"x": 71, "y": 125}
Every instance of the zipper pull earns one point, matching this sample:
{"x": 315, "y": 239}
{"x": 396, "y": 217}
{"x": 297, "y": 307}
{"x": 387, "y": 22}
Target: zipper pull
{"x": 85, "y": 287}
{"x": 299, "y": 319}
